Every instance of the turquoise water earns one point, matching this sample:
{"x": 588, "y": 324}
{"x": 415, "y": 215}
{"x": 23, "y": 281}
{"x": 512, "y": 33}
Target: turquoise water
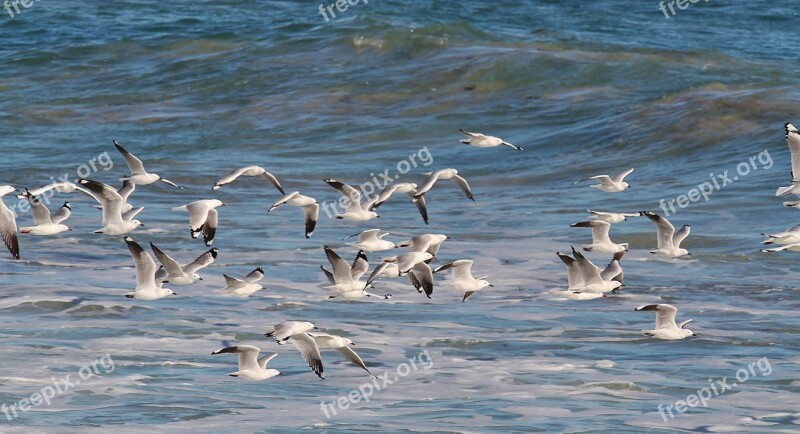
{"x": 199, "y": 88}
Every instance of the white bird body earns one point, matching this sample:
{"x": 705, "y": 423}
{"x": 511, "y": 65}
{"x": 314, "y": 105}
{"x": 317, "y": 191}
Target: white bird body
{"x": 789, "y": 236}
{"x": 445, "y": 174}
{"x": 139, "y": 175}
{"x": 600, "y": 238}
{"x": 483, "y": 141}
{"x": 608, "y": 184}
{"x": 372, "y": 241}
{"x": 346, "y": 279}
{"x": 248, "y": 171}
{"x": 146, "y": 286}
{"x": 177, "y": 274}
{"x": 202, "y": 218}
{"x": 410, "y": 189}
{"x": 308, "y": 204}
{"x": 246, "y": 286}
{"x": 591, "y": 276}
{"x": 356, "y": 209}
{"x": 115, "y": 220}
{"x": 666, "y": 328}
{"x": 669, "y": 241}
{"x": 610, "y": 217}
{"x": 461, "y": 278}
{"x": 250, "y": 366}
{"x": 43, "y": 222}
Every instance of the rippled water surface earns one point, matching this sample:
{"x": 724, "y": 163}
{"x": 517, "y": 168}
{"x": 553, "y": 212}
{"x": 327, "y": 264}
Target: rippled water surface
{"x": 199, "y": 88}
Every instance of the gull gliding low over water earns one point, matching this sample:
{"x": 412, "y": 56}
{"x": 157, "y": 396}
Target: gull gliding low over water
{"x": 308, "y": 204}
{"x": 666, "y": 328}
{"x": 248, "y": 171}
{"x": 250, "y": 366}
{"x": 608, "y": 184}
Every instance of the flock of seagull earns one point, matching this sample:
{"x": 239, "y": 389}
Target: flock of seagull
{"x": 345, "y": 279}
{"x": 585, "y": 280}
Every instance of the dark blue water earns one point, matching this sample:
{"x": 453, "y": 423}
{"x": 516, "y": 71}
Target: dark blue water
{"x": 199, "y": 88}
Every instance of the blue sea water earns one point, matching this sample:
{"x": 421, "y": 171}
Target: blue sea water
{"x": 199, "y": 88}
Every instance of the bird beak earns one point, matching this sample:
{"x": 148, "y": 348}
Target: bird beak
{"x": 491, "y": 285}
{"x": 200, "y": 278}
{"x": 353, "y": 344}
{"x": 174, "y": 293}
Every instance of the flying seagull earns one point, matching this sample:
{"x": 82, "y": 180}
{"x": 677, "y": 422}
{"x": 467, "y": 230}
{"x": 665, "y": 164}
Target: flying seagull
{"x": 608, "y": 184}
{"x": 138, "y": 174}
{"x": 202, "y": 218}
{"x": 308, "y": 204}
{"x": 445, "y": 174}
{"x": 372, "y": 241}
{"x": 173, "y": 272}
{"x": 248, "y": 171}
{"x": 8, "y": 223}
{"x": 115, "y": 222}
{"x": 483, "y": 141}
{"x": 356, "y": 210}
{"x": 250, "y": 366}
{"x": 666, "y": 328}
{"x": 43, "y": 222}
{"x": 147, "y": 288}
{"x": 246, "y": 285}
{"x": 669, "y": 241}
{"x": 600, "y": 239}
{"x": 461, "y": 278}
{"x": 410, "y": 189}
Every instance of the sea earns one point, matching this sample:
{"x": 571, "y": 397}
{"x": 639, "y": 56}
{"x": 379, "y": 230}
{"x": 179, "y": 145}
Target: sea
{"x": 695, "y": 101}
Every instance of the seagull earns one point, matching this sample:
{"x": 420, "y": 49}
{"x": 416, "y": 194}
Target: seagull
{"x": 421, "y": 276}
{"x": 445, "y": 174}
{"x": 593, "y": 277}
{"x": 372, "y": 241}
{"x": 483, "y": 141}
{"x": 173, "y": 272}
{"x": 248, "y": 171}
{"x": 202, "y": 218}
{"x": 790, "y": 247}
{"x": 66, "y": 187}
{"x": 608, "y": 184}
{"x": 600, "y": 240}
{"x": 340, "y": 344}
{"x": 461, "y": 278}
{"x": 611, "y": 217}
{"x": 114, "y": 221}
{"x": 410, "y": 189}
{"x": 665, "y": 323}
{"x": 669, "y": 241}
{"x": 296, "y": 332}
{"x": 575, "y": 282}
{"x": 345, "y": 279}
{"x": 146, "y": 286}
{"x": 793, "y": 141}
{"x": 125, "y": 191}
{"x": 407, "y": 261}
{"x": 8, "y": 223}
{"x": 250, "y": 366}
{"x": 309, "y": 205}
{"x": 789, "y": 236}
{"x": 425, "y": 243}
{"x": 138, "y": 174}
{"x": 356, "y": 210}
{"x": 245, "y": 286}
{"x": 43, "y": 222}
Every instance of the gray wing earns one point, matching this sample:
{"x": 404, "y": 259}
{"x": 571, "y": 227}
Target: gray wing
{"x": 202, "y": 261}
{"x": 262, "y": 362}
{"x": 254, "y": 275}
{"x": 310, "y": 352}
{"x": 171, "y": 265}
{"x": 62, "y": 214}
{"x": 462, "y": 183}
{"x": 622, "y": 175}
{"x": 134, "y": 164}
{"x": 376, "y": 272}
{"x": 341, "y": 269}
{"x": 328, "y": 275}
{"x": 210, "y": 227}
{"x": 41, "y": 215}
{"x": 8, "y": 230}
{"x": 360, "y": 265}
{"x": 145, "y": 266}
{"x": 421, "y": 276}
{"x": 109, "y": 198}
{"x": 793, "y": 140}
{"x": 271, "y": 178}
{"x": 681, "y": 235}
{"x": 353, "y": 358}
{"x": 311, "y": 213}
